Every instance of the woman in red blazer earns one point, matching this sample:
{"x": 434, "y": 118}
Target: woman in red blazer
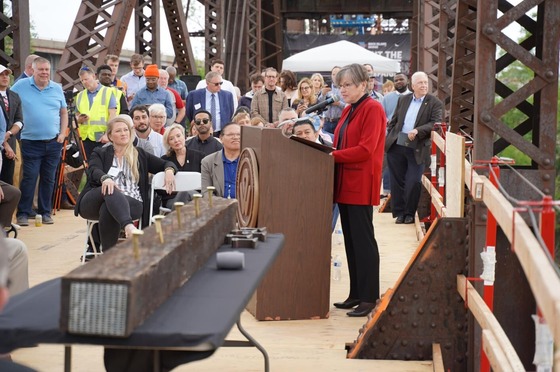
{"x": 359, "y": 139}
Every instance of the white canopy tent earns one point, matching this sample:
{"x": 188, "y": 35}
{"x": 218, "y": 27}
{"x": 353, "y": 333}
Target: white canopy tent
{"x": 325, "y": 57}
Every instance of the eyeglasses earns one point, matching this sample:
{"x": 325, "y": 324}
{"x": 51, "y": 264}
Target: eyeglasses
{"x": 201, "y": 121}
{"x": 271, "y": 76}
{"x": 233, "y": 135}
{"x": 158, "y": 117}
{"x": 346, "y": 86}
{"x": 217, "y": 84}
{"x": 305, "y": 88}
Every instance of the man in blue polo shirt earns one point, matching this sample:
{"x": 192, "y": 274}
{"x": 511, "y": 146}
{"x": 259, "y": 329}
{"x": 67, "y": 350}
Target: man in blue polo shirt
{"x": 46, "y": 122}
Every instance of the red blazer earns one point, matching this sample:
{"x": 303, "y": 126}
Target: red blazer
{"x": 360, "y": 156}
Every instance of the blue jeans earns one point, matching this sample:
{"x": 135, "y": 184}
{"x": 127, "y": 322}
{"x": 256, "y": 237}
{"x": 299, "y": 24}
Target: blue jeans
{"x": 40, "y": 159}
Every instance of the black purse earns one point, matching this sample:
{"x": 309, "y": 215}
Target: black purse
{"x": 73, "y": 156}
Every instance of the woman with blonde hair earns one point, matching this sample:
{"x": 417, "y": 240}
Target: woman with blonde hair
{"x": 242, "y": 118}
{"x": 306, "y": 97}
{"x": 117, "y": 188}
{"x": 318, "y": 83}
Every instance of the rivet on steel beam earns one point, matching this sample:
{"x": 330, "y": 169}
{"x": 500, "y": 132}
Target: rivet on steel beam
{"x": 374, "y": 344}
{"x": 448, "y": 225}
{"x": 420, "y": 267}
{"x": 459, "y": 326}
{"x": 433, "y": 311}
{"x": 404, "y": 342}
{"x": 448, "y": 286}
{"x": 382, "y": 329}
{"x": 386, "y": 342}
{"x": 433, "y": 325}
{"x": 459, "y": 359}
{"x": 420, "y": 356}
{"x": 424, "y": 280}
{"x": 421, "y": 343}
{"x": 410, "y": 283}
{"x": 546, "y": 177}
{"x": 449, "y": 256}
{"x": 549, "y": 74}
{"x": 435, "y": 246}
{"x": 395, "y": 356}
{"x": 408, "y": 357}
{"x": 547, "y": 161}
{"x": 489, "y": 30}
{"x": 392, "y": 312}
{"x": 378, "y": 356}
{"x": 433, "y": 265}
{"x": 415, "y": 296}
{"x": 420, "y": 311}
{"x": 397, "y": 326}
{"x": 447, "y": 311}
{"x": 405, "y": 311}
{"x": 414, "y": 325}
{"x": 434, "y": 297}
{"x": 460, "y": 241}
{"x": 447, "y": 345}
{"x": 486, "y": 117}
{"x": 401, "y": 298}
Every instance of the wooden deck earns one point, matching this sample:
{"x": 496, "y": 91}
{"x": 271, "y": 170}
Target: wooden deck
{"x": 304, "y": 345}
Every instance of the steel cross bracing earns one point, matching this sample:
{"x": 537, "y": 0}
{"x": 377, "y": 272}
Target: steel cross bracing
{"x": 146, "y": 27}
{"x": 99, "y": 29}
{"x": 461, "y": 116}
{"x": 17, "y": 28}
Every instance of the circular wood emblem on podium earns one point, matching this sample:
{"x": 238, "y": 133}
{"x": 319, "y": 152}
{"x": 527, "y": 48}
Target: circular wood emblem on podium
{"x": 247, "y": 188}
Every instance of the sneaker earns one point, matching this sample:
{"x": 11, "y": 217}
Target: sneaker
{"x": 47, "y": 220}
{"x": 22, "y": 221}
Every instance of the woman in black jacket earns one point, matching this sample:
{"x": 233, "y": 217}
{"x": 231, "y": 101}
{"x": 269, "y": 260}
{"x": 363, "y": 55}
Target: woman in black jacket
{"x": 117, "y": 189}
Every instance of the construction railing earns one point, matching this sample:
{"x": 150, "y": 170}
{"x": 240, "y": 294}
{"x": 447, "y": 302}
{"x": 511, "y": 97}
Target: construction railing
{"x": 531, "y": 250}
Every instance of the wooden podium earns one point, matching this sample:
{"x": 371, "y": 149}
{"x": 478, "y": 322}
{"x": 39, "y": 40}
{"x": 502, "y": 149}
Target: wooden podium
{"x": 293, "y": 193}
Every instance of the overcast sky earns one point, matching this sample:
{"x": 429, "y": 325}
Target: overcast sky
{"x": 53, "y": 19}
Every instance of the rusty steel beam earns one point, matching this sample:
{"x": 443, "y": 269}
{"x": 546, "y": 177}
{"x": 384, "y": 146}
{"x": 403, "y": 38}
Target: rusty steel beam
{"x": 424, "y": 306}
{"x": 254, "y": 40}
{"x": 213, "y": 32}
{"x": 462, "y": 91}
{"x": 177, "y": 22}
{"x": 146, "y": 26}
{"x": 14, "y": 26}
{"x": 272, "y": 34}
{"x": 99, "y": 29}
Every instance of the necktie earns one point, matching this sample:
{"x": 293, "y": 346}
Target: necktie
{"x": 6, "y": 103}
{"x": 213, "y": 109}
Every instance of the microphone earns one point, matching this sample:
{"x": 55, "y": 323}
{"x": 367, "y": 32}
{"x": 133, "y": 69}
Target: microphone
{"x": 321, "y": 106}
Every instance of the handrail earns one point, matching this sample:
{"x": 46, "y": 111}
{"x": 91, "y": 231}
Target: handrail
{"x": 541, "y": 275}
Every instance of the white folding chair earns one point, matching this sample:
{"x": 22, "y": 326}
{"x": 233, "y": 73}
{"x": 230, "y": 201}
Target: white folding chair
{"x": 184, "y": 181}
{"x": 89, "y": 238}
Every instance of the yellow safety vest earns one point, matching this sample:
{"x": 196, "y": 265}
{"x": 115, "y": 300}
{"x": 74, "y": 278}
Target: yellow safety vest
{"x": 118, "y": 94}
{"x": 98, "y": 113}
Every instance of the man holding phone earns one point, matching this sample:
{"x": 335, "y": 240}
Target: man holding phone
{"x": 95, "y": 106}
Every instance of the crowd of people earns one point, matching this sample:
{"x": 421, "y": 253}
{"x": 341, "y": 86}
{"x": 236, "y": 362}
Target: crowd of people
{"x": 148, "y": 122}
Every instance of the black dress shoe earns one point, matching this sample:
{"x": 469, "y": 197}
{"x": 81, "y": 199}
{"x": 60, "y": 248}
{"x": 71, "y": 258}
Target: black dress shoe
{"x": 362, "y": 310}
{"x": 408, "y": 220}
{"x": 347, "y": 304}
{"x": 399, "y": 220}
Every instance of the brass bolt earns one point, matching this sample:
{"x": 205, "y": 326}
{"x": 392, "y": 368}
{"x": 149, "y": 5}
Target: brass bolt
{"x": 136, "y": 243}
{"x": 178, "y": 206}
{"x": 157, "y": 221}
{"x": 210, "y": 190}
{"x": 197, "y": 198}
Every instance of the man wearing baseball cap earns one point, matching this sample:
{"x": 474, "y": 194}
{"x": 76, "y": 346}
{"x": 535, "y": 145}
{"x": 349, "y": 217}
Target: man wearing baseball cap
{"x": 152, "y": 93}
{"x": 10, "y": 104}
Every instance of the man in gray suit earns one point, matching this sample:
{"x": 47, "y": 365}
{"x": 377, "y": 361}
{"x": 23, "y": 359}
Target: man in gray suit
{"x": 408, "y": 146}
{"x": 220, "y": 168}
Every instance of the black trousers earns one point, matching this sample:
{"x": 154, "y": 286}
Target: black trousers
{"x": 406, "y": 178}
{"x": 113, "y": 211}
{"x": 362, "y": 252}
{"x": 8, "y": 169}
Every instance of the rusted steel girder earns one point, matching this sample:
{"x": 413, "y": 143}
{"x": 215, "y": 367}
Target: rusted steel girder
{"x": 17, "y": 27}
{"x": 536, "y": 98}
{"x": 435, "y": 38}
{"x": 99, "y": 29}
{"x": 146, "y": 27}
{"x": 177, "y": 22}
{"x": 461, "y": 114}
{"x": 424, "y": 307}
{"x": 213, "y": 32}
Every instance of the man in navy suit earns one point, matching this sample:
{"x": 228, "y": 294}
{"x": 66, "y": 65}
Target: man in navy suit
{"x": 408, "y": 146}
{"x": 212, "y": 99}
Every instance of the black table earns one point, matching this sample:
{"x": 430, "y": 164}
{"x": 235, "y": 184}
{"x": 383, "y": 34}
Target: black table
{"x": 190, "y": 325}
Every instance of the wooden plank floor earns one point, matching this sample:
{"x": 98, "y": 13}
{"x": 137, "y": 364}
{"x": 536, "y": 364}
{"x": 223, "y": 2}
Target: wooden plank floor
{"x": 304, "y": 345}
